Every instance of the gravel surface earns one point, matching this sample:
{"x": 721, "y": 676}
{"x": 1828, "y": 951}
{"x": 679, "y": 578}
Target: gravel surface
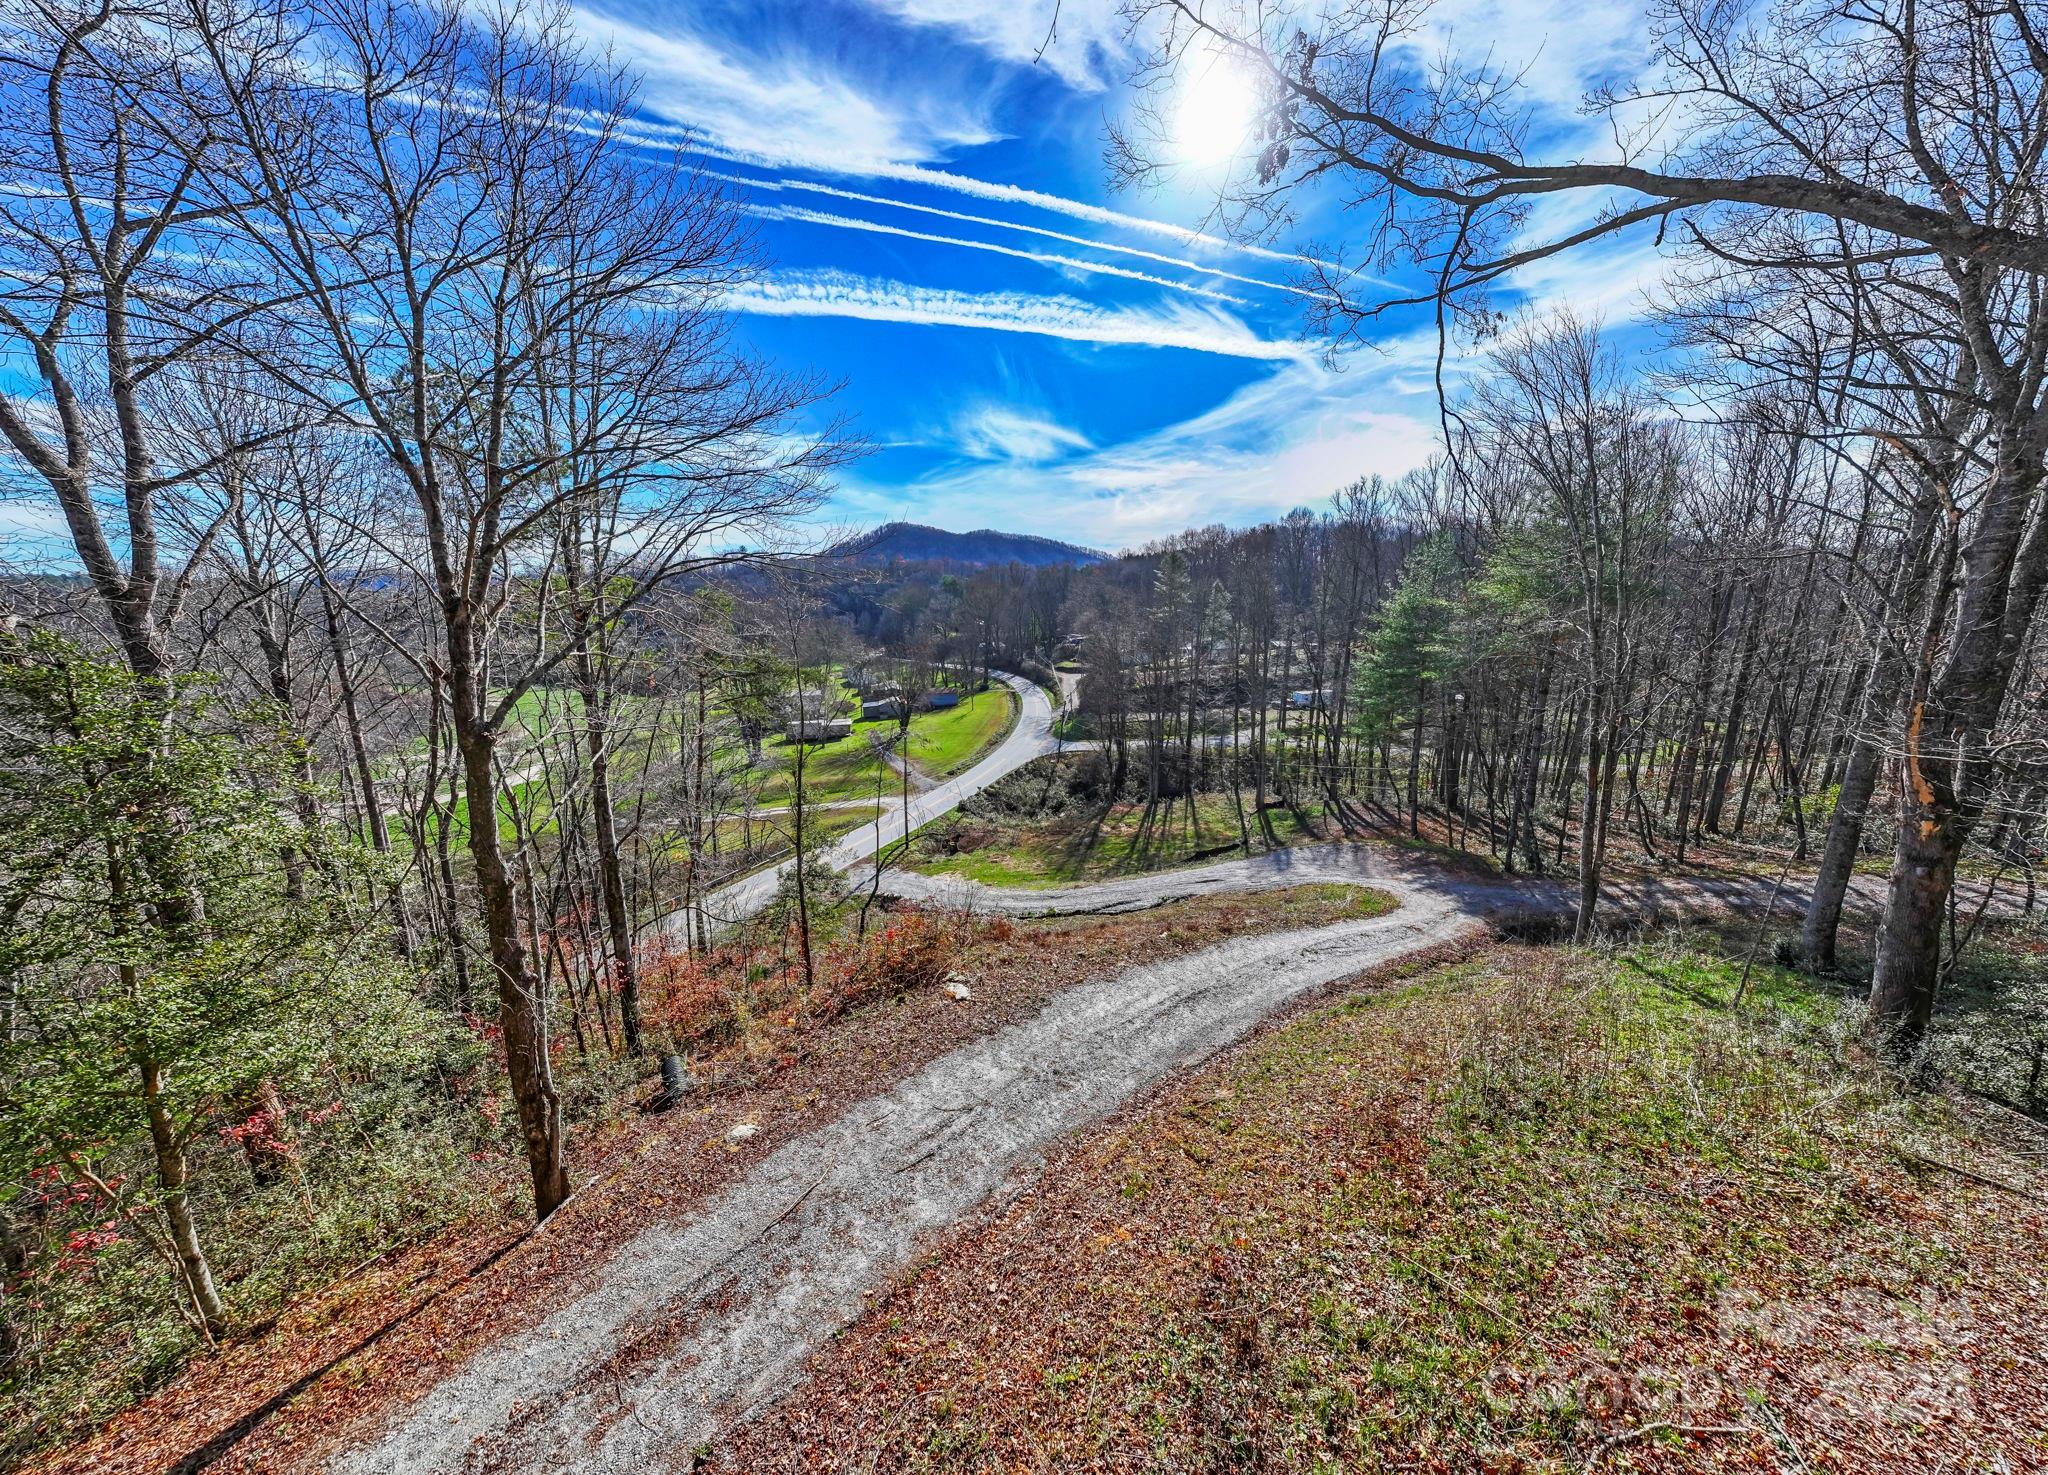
{"x": 695, "y": 1323}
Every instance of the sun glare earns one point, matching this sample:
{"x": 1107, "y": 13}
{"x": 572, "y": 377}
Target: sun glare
{"x": 1216, "y": 112}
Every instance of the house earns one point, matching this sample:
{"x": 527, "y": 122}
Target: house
{"x": 940, "y": 696}
{"x": 818, "y": 730}
{"x": 811, "y": 705}
{"x": 882, "y": 709}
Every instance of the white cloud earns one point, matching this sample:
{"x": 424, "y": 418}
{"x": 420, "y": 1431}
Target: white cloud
{"x": 784, "y": 110}
{"x": 1080, "y": 41}
{"x": 1558, "y": 48}
{"x": 801, "y": 155}
{"x": 1002, "y": 433}
{"x": 1169, "y": 325}
{"x": 1138, "y": 252}
{"x": 1080, "y": 210}
{"x": 1289, "y": 438}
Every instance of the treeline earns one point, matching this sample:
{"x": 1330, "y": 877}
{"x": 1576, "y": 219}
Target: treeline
{"x": 1600, "y": 627}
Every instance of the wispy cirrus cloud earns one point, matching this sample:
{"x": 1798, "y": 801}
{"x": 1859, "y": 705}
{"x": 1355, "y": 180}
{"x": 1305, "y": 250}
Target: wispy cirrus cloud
{"x": 1080, "y": 41}
{"x": 1557, "y": 49}
{"x": 706, "y": 144}
{"x": 992, "y": 432}
{"x": 784, "y": 107}
{"x": 1168, "y": 325}
{"x": 1289, "y": 438}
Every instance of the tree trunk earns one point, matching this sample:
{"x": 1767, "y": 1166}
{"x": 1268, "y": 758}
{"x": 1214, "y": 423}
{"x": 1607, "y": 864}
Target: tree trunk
{"x": 522, "y": 1015}
{"x": 610, "y": 872}
{"x": 1817, "y": 935}
{"x": 174, "y": 1179}
{"x": 1949, "y": 725}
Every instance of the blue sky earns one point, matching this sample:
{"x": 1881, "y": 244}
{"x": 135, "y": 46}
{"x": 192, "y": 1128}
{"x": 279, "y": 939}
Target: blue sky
{"x": 1024, "y": 347}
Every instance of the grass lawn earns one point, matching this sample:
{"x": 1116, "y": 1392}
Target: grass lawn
{"x": 773, "y": 830}
{"x": 849, "y": 768}
{"x": 941, "y": 743}
{"x": 1541, "y": 1210}
{"x": 1087, "y": 847}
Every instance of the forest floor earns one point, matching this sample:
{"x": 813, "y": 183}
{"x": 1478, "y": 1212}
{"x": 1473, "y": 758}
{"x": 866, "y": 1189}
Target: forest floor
{"x": 1538, "y": 1209}
{"x": 288, "y": 1394}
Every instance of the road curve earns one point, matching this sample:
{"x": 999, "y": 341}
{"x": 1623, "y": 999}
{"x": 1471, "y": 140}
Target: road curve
{"x": 1030, "y": 738}
{"x": 694, "y": 1323}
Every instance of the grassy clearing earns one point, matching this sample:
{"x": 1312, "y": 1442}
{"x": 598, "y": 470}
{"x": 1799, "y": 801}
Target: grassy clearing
{"x": 770, "y": 833}
{"x": 1541, "y": 1211}
{"x": 1086, "y": 845}
{"x": 941, "y": 743}
{"x": 850, "y": 768}
{"x": 945, "y": 742}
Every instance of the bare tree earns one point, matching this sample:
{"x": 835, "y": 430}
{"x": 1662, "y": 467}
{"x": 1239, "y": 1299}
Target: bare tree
{"x": 1902, "y": 137}
{"x": 525, "y": 321}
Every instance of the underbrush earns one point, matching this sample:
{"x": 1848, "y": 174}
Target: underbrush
{"x": 1990, "y": 1031}
{"x": 763, "y": 1046}
{"x": 1550, "y": 1209}
{"x": 297, "y": 1195}
{"x": 359, "y": 1164}
{"x": 747, "y": 1001}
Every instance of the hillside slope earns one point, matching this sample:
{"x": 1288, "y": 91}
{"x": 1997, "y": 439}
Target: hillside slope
{"x": 911, "y": 542}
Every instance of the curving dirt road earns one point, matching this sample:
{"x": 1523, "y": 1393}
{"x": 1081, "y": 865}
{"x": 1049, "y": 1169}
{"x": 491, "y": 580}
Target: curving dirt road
{"x": 690, "y": 1325}
{"x": 695, "y": 1323}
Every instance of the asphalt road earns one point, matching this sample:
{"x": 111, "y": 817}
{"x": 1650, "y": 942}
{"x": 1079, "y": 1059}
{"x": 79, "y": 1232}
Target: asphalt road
{"x": 1030, "y": 738}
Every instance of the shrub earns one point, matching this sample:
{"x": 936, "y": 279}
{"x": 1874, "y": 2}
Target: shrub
{"x": 911, "y": 950}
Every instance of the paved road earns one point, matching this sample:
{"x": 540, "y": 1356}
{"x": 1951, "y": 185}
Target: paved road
{"x": 1030, "y": 738}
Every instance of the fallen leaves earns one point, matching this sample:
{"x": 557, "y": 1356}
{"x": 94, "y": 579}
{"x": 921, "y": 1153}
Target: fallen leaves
{"x": 1334, "y": 1264}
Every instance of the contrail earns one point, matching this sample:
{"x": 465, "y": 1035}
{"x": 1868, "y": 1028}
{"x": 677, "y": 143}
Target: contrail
{"x": 690, "y": 141}
{"x": 1139, "y": 252}
{"x": 1047, "y": 258}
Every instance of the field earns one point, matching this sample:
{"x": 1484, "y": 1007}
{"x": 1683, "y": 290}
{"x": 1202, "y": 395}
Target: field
{"x": 945, "y": 742}
{"x": 941, "y": 744}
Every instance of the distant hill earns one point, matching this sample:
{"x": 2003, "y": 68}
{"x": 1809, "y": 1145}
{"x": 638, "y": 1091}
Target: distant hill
{"x": 915, "y": 543}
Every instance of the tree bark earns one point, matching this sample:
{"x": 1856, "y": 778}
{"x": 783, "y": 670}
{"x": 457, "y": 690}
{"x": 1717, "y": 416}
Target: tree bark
{"x": 174, "y": 1178}
{"x": 522, "y": 1014}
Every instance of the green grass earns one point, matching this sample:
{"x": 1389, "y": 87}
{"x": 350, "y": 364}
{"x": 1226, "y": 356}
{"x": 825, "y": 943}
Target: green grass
{"x": 849, "y": 768}
{"x": 1089, "y": 847}
{"x": 942, "y": 743}
{"x": 945, "y": 742}
{"x": 771, "y": 832}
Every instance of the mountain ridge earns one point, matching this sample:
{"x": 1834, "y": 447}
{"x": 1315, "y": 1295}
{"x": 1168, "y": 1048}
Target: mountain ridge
{"x": 914, "y": 542}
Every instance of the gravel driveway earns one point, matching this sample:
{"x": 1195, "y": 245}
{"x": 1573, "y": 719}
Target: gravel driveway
{"x": 694, "y": 1323}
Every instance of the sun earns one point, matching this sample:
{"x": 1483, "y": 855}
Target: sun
{"x": 1217, "y": 108}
